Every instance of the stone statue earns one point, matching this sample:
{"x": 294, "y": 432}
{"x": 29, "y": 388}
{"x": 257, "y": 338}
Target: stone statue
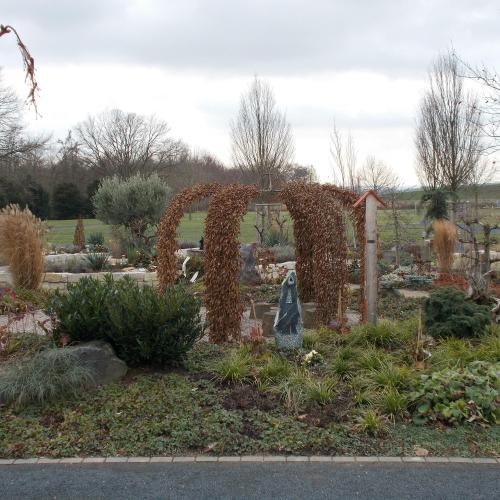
{"x": 288, "y": 328}
{"x": 248, "y": 270}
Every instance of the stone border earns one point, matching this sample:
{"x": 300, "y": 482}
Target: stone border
{"x": 249, "y": 459}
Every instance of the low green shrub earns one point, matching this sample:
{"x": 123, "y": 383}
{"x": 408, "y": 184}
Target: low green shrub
{"x": 469, "y": 394}
{"x": 144, "y": 326}
{"x": 149, "y": 328}
{"x": 448, "y": 314}
{"x": 50, "y": 374}
{"x": 82, "y": 312}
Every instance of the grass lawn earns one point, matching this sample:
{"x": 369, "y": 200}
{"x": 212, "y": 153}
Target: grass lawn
{"x": 192, "y": 227}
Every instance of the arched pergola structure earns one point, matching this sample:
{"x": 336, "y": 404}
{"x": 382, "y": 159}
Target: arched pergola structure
{"x": 166, "y": 246}
{"x": 320, "y": 242}
{"x": 222, "y": 260}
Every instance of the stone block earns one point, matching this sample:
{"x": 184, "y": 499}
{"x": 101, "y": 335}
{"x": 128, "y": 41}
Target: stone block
{"x": 309, "y": 317}
{"x": 267, "y": 322}
{"x": 261, "y": 308}
{"x": 55, "y": 278}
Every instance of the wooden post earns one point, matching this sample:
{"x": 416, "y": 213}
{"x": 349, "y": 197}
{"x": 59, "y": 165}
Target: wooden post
{"x": 371, "y": 201}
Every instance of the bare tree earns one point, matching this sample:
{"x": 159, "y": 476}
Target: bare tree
{"x": 448, "y": 135}
{"x": 14, "y": 142}
{"x": 261, "y": 135}
{"x": 377, "y": 175}
{"x": 345, "y": 172}
{"x": 123, "y": 144}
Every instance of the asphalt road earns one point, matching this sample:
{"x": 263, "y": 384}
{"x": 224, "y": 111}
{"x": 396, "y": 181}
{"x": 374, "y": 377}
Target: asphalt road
{"x": 253, "y": 480}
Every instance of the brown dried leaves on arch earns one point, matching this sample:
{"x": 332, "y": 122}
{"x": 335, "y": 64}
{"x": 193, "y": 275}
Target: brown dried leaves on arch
{"x": 321, "y": 246}
{"x": 166, "y": 247}
{"x": 222, "y": 260}
{"x": 346, "y": 199}
{"x": 296, "y": 197}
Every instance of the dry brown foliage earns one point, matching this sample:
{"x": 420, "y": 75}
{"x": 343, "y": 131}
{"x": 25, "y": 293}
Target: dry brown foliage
{"x": 79, "y": 236}
{"x": 166, "y": 247}
{"x": 445, "y": 236}
{"x": 320, "y": 245}
{"x": 346, "y": 199}
{"x": 28, "y": 61}
{"x": 320, "y": 242}
{"x": 222, "y": 260}
{"x": 21, "y": 245}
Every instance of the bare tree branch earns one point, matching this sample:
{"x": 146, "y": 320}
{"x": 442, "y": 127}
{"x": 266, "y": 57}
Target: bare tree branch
{"x": 28, "y": 61}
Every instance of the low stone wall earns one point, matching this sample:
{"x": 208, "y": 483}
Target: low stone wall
{"x": 60, "y": 280}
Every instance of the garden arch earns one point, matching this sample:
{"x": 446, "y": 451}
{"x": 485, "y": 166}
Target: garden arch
{"x": 321, "y": 249}
{"x": 166, "y": 247}
{"x": 320, "y": 245}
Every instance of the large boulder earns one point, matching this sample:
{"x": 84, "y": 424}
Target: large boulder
{"x": 99, "y": 357}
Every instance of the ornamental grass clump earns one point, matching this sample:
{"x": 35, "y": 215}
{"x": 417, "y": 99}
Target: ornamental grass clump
{"x": 21, "y": 246}
{"x": 321, "y": 391}
{"x": 49, "y": 375}
{"x": 275, "y": 369}
{"x": 445, "y": 236}
{"x": 234, "y": 368}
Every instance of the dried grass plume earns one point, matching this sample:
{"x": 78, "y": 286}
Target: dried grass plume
{"x": 21, "y": 245}
{"x": 445, "y": 236}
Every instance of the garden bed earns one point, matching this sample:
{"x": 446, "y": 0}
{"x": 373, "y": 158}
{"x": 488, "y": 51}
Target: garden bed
{"x": 206, "y": 407}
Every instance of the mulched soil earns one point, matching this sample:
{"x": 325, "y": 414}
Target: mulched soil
{"x": 246, "y": 397}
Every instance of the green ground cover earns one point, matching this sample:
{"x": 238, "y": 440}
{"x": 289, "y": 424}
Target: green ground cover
{"x": 232, "y": 399}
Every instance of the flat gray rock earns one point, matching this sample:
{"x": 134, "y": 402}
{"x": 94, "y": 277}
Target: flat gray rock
{"x": 101, "y": 359}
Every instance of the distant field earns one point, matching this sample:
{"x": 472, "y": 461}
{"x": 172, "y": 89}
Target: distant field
{"x": 486, "y": 192}
{"x": 192, "y": 227}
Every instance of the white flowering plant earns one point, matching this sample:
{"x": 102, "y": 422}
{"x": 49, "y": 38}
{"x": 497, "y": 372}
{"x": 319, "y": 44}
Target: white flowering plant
{"x": 313, "y": 358}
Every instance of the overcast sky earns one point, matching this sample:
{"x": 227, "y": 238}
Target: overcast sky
{"x": 360, "y": 62}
